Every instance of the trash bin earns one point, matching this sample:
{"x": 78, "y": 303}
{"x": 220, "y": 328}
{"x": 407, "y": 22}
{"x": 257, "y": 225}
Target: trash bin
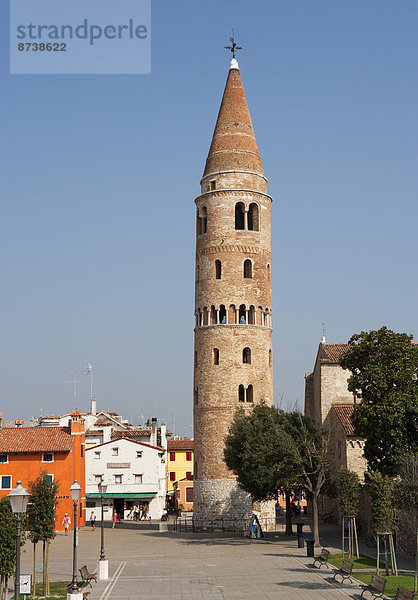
{"x": 299, "y": 527}
{"x": 310, "y": 548}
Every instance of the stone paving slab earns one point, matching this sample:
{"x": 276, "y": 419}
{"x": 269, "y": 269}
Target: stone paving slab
{"x": 146, "y": 564}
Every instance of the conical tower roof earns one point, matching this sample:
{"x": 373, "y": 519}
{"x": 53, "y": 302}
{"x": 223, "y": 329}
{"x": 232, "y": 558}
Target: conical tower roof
{"x": 233, "y": 146}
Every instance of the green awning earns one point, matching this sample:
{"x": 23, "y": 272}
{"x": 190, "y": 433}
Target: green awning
{"x": 146, "y": 495}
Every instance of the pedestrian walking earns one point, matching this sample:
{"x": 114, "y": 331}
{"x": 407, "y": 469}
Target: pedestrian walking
{"x": 115, "y": 516}
{"x": 66, "y": 522}
{"x": 93, "y": 520}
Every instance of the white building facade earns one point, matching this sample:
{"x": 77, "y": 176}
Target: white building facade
{"x": 135, "y": 475}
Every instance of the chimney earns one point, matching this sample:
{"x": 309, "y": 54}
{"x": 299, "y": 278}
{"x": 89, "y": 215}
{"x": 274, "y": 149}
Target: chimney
{"x": 93, "y": 406}
{"x": 18, "y": 422}
{"x": 153, "y": 440}
{"x": 164, "y": 436}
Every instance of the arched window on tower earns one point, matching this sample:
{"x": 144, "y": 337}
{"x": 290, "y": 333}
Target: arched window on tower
{"x": 215, "y": 356}
{"x": 249, "y": 393}
{"x": 268, "y": 273}
{"x": 253, "y": 217}
{"x": 205, "y": 316}
{"x": 241, "y": 393}
{"x": 246, "y": 356}
{"x": 270, "y": 358}
{"x": 248, "y": 269}
{"x": 203, "y": 220}
{"x": 222, "y": 314}
{"x": 232, "y": 314}
{"x": 218, "y": 269}
{"x": 239, "y": 215}
{"x": 251, "y": 315}
{"x": 242, "y": 315}
{"x": 212, "y": 315}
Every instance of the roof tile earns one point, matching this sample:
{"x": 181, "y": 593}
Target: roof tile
{"x": 35, "y": 439}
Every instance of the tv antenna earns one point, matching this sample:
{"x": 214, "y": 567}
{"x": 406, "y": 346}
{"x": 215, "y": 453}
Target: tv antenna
{"x": 234, "y": 47}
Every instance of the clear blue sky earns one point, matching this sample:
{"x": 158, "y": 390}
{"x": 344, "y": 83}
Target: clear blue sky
{"x": 99, "y": 175}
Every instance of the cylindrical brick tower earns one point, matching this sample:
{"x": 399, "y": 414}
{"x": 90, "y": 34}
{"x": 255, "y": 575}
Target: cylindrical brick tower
{"x": 233, "y": 335}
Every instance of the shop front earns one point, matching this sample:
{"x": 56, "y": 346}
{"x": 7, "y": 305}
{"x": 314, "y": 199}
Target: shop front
{"x": 139, "y": 506}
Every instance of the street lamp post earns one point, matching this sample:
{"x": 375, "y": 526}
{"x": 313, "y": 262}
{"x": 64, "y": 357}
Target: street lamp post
{"x": 18, "y": 502}
{"x": 103, "y": 563}
{"x": 75, "y": 490}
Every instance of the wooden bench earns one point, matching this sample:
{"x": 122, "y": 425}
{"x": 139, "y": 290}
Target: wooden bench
{"x": 87, "y": 577}
{"x": 345, "y": 571}
{"x": 403, "y": 594}
{"x": 375, "y": 587}
{"x": 322, "y": 558}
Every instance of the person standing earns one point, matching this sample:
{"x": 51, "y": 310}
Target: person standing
{"x": 93, "y": 520}
{"x": 66, "y": 522}
{"x": 115, "y": 516}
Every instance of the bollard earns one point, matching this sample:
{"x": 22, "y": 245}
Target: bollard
{"x": 310, "y": 548}
{"x": 299, "y": 527}
{"x": 300, "y": 540}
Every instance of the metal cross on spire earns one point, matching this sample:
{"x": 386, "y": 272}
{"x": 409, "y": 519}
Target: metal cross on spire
{"x": 234, "y": 46}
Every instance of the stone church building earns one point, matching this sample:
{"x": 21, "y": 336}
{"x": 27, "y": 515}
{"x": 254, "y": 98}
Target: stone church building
{"x": 328, "y": 402}
{"x": 233, "y": 331}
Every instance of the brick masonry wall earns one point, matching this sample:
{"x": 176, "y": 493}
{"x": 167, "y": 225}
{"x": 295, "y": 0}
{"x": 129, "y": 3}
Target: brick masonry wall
{"x": 233, "y": 174}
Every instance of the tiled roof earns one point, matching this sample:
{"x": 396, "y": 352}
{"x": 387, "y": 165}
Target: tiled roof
{"x": 180, "y": 444}
{"x": 344, "y": 412}
{"x": 35, "y": 439}
{"x": 332, "y": 352}
{"x": 101, "y": 422}
{"x": 129, "y": 433}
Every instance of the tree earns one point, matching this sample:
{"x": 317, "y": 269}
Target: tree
{"x": 384, "y": 368}
{"x": 41, "y": 512}
{"x": 348, "y": 492}
{"x": 270, "y": 449}
{"x": 7, "y": 543}
{"x": 406, "y": 495}
{"x": 381, "y": 502}
{"x": 309, "y": 445}
{"x": 256, "y": 450}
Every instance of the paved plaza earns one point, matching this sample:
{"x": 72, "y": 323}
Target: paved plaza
{"x": 151, "y": 564}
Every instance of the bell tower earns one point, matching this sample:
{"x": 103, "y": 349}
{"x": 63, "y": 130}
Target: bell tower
{"x": 233, "y": 334}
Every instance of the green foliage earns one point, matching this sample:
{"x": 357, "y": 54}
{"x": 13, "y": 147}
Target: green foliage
{"x": 41, "y": 510}
{"x": 406, "y": 490}
{"x": 384, "y": 367}
{"x": 381, "y": 501}
{"x": 253, "y": 451}
{"x": 348, "y": 492}
{"x": 7, "y": 537}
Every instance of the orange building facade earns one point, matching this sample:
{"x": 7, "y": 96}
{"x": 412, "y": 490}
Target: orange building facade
{"x": 60, "y": 451}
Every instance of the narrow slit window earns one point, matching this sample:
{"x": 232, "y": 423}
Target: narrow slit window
{"x": 248, "y": 269}
{"x": 213, "y": 185}
{"x": 239, "y": 215}
{"x": 241, "y": 393}
{"x": 246, "y": 356}
{"x": 216, "y": 356}
{"x": 218, "y": 269}
{"x": 250, "y": 393}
